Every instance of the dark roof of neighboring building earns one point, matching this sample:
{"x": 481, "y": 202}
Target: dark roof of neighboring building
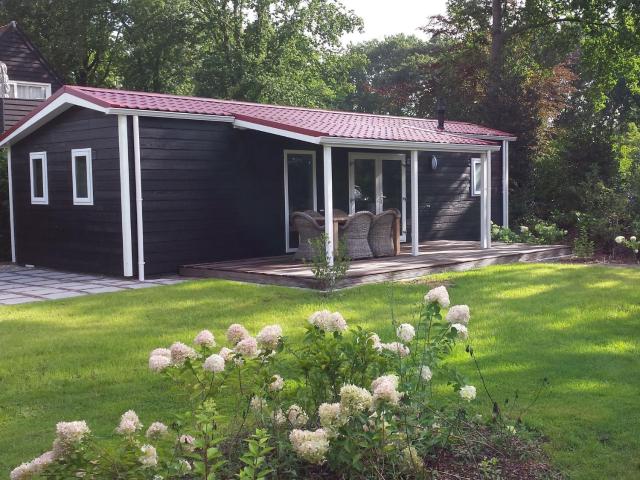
{"x": 317, "y": 123}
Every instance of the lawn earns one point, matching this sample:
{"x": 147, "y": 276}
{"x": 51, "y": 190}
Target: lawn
{"x": 86, "y": 358}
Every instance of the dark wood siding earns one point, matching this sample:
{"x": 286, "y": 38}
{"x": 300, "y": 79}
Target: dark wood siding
{"x": 23, "y": 61}
{"x": 447, "y": 208}
{"x": 210, "y": 192}
{"x": 60, "y": 234}
{"x": 13, "y": 109}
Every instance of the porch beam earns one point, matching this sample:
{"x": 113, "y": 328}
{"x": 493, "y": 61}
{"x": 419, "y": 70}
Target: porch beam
{"x": 328, "y": 202}
{"x": 505, "y": 183}
{"x": 415, "y": 241}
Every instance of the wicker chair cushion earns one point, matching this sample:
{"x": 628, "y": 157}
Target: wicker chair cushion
{"x": 355, "y": 232}
{"x": 307, "y": 229}
{"x": 381, "y": 233}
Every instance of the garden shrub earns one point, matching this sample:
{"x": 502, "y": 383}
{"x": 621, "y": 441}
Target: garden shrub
{"x": 540, "y": 232}
{"x": 341, "y": 402}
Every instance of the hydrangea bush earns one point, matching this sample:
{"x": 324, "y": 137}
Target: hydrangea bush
{"x": 341, "y": 400}
{"x": 632, "y": 243}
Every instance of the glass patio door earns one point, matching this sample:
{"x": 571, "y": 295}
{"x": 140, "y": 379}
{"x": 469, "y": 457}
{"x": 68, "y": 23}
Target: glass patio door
{"x": 377, "y": 182}
{"x": 300, "y": 189}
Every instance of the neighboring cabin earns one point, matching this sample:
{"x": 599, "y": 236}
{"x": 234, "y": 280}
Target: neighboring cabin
{"x": 31, "y": 78}
{"x": 124, "y": 183}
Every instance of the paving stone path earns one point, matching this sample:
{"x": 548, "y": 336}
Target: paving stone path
{"x": 23, "y": 284}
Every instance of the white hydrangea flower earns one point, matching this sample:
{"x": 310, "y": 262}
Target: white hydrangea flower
{"x": 438, "y": 295}
{"x": 619, "y": 239}
{"x": 425, "y": 373}
{"x": 524, "y": 229}
{"x": 185, "y": 466}
{"x": 328, "y": 322}
{"x": 247, "y": 347}
{"x": 397, "y": 348}
{"x": 214, "y": 363}
{"x": 158, "y": 363}
{"x": 297, "y": 416}
{"x": 32, "y": 468}
{"x": 205, "y": 339}
{"x": 149, "y": 456}
{"x": 226, "y": 353}
{"x": 187, "y": 442}
{"x": 161, "y": 352}
{"x": 411, "y": 461}
{"x": 129, "y": 423}
{"x": 375, "y": 342}
{"x": 458, "y": 314}
{"x": 69, "y": 433}
{"x": 236, "y": 333}
{"x": 405, "y": 332}
{"x": 311, "y": 446}
{"x": 180, "y": 352}
{"x": 257, "y": 404}
{"x": 156, "y": 431}
{"x": 468, "y": 392}
{"x": 269, "y": 337}
{"x": 385, "y": 389}
{"x": 278, "y": 417}
{"x": 632, "y": 238}
{"x": 331, "y": 415}
{"x": 354, "y": 399}
{"x": 462, "y": 331}
{"x": 277, "y": 383}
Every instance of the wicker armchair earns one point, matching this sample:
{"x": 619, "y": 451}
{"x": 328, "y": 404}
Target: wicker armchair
{"x": 308, "y": 229}
{"x": 355, "y": 233}
{"x": 381, "y": 233}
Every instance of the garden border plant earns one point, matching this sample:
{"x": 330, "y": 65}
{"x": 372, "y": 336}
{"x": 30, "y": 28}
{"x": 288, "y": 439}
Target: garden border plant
{"x": 352, "y": 404}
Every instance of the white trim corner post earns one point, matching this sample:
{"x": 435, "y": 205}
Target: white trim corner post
{"x": 138, "y": 182}
{"x": 505, "y": 183}
{"x": 415, "y": 229}
{"x": 11, "y": 220}
{"x": 125, "y": 196}
{"x": 485, "y": 201}
{"x": 328, "y": 202}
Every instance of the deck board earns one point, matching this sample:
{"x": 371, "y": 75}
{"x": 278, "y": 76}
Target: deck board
{"x": 435, "y": 256}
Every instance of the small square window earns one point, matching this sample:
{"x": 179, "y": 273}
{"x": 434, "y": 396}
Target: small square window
{"x": 82, "y": 176}
{"x": 476, "y": 177}
{"x": 38, "y": 175}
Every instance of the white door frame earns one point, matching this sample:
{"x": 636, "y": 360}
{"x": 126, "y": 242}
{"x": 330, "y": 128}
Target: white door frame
{"x": 287, "y": 232}
{"x": 378, "y": 158}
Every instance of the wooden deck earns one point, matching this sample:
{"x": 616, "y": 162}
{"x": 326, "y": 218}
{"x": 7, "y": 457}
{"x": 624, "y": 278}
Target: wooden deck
{"x": 435, "y": 256}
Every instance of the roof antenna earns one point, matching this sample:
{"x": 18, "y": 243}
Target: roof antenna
{"x": 440, "y": 107}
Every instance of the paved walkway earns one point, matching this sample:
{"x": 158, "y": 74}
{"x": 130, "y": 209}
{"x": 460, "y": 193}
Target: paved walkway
{"x": 23, "y": 285}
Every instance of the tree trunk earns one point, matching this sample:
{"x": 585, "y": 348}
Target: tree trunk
{"x": 496, "y": 60}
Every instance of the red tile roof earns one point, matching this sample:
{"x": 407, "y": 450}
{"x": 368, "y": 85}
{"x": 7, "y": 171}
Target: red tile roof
{"x": 306, "y": 121}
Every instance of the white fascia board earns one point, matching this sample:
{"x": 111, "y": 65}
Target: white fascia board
{"x": 488, "y": 137}
{"x": 400, "y": 145}
{"x": 276, "y": 131}
{"x": 55, "y": 108}
{"x": 176, "y": 115}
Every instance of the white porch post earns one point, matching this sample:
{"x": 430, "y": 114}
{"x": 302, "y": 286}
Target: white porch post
{"x": 125, "y": 196}
{"x": 505, "y": 183}
{"x": 485, "y": 201}
{"x": 11, "y": 220}
{"x": 328, "y": 202}
{"x": 415, "y": 241}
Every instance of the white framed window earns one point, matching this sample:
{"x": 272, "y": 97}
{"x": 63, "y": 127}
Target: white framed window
{"x": 38, "y": 175}
{"x": 476, "y": 177}
{"x": 82, "y": 176}
{"x": 29, "y": 90}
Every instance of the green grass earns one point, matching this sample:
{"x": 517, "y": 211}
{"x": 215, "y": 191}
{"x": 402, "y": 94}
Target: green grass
{"x": 579, "y": 326}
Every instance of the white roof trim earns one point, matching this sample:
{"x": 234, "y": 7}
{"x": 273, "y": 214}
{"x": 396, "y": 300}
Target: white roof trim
{"x": 162, "y": 114}
{"x": 488, "y": 137}
{"x": 55, "y": 108}
{"x": 276, "y": 131}
{"x": 401, "y": 145}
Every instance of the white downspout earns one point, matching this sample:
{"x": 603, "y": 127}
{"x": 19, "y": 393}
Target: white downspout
{"x": 505, "y": 183}
{"x": 11, "y": 220}
{"x": 328, "y": 202}
{"x": 138, "y": 182}
{"x": 415, "y": 229}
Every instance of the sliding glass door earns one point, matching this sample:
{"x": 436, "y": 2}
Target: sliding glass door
{"x": 300, "y": 192}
